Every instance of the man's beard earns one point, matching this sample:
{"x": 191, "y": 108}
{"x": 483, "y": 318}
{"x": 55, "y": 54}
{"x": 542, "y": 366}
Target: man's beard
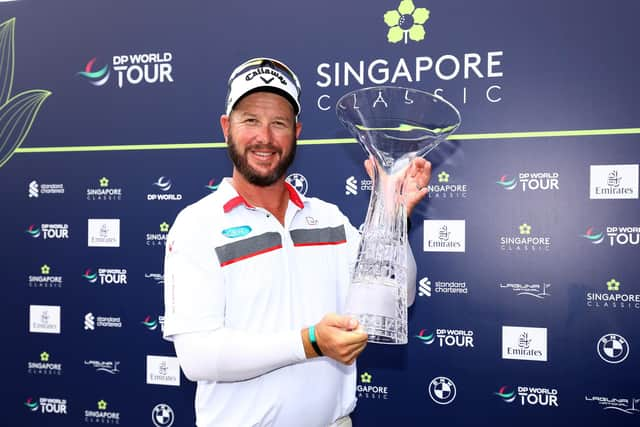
{"x": 250, "y": 174}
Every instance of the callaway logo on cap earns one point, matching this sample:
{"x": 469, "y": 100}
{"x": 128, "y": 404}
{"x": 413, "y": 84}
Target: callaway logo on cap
{"x": 263, "y": 74}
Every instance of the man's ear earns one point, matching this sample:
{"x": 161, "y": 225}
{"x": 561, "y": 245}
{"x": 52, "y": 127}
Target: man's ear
{"x": 298, "y": 129}
{"x": 224, "y": 125}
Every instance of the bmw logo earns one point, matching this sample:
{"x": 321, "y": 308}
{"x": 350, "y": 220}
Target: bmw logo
{"x": 299, "y": 182}
{"x": 442, "y": 390}
{"x": 613, "y": 348}
{"x": 162, "y": 415}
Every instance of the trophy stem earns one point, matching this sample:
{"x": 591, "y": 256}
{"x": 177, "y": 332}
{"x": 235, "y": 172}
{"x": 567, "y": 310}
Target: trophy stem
{"x": 378, "y": 293}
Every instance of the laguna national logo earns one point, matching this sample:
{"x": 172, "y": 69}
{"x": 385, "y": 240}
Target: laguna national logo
{"x": 17, "y": 112}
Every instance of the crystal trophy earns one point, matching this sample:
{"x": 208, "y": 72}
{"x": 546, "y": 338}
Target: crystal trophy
{"x": 394, "y": 125}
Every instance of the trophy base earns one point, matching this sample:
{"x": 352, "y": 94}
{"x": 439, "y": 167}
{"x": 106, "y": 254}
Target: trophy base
{"x": 380, "y": 306}
{"x": 383, "y": 329}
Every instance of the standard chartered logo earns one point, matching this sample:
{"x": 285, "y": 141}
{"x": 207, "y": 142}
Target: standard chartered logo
{"x": 89, "y": 322}
{"x": 37, "y": 189}
{"x": 34, "y": 191}
{"x": 351, "y": 186}
{"x": 424, "y": 287}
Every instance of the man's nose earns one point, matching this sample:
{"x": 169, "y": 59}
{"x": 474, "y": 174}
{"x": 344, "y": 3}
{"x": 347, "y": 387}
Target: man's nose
{"x": 263, "y": 133}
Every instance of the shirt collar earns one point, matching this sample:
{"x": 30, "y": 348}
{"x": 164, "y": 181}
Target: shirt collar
{"x": 234, "y": 199}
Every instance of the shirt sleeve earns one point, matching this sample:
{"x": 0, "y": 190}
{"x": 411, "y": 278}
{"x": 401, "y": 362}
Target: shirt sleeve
{"x": 232, "y": 355}
{"x": 194, "y": 293}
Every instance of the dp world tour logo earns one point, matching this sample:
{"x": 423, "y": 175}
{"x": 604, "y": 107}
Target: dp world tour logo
{"x": 406, "y": 22}
{"x": 426, "y": 337}
{"x": 95, "y": 77}
{"x": 17, "y": 112}
{"x": 163, "y": 183}
{"x": 507, "y": 396}
{"x": 150, "y": 323}
{"x": 33, "y": 231}
{"x": 211, "y": 185}
{"x": 90, "y": 276}
{"x": 593, "y": 236}
{"x": 32, "y": 404}
{"x": 507, "y": 182}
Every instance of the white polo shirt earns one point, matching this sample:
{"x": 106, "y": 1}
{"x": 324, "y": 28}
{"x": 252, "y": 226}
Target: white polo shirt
{"x": 232, "y": 265}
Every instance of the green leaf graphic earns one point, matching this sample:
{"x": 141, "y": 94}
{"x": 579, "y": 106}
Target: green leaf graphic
{"x": 16, "y": 118}
{"x": 6, "y": 59}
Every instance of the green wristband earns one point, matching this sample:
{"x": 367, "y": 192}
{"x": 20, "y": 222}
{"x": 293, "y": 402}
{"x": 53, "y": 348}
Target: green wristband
{"x": 314, "y": 343}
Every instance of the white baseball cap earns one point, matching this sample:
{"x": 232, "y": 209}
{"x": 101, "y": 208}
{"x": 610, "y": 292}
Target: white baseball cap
{"x": 263, "y": 74}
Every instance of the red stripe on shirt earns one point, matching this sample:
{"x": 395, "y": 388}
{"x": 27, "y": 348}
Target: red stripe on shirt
{"x": 320, "y": 243}
{"x": 231, "y": 261}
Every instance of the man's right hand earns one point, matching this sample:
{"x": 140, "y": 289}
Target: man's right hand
{"x": 339, "y": 337}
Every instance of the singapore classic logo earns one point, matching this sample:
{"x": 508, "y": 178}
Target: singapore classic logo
{"x": 102, "y": 414}
{"x": 158, "y": 238}
{"x": 613, "y": 299}
{"x": 46, "y": 279}
{"x": 525, "y": 241}
{"x": 447, "y": 188}
{"x": 105, "y": 191}
{"x": 44, "y": 366}
{"x": 367, "y": 388}
{"x": 406, "y": 22}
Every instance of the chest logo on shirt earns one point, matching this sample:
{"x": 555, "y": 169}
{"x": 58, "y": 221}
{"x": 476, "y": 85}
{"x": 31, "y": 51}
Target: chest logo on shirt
{"x": 234, "y": 232}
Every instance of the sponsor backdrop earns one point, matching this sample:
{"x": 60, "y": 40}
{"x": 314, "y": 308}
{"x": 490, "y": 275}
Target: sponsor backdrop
{"x": 527, "y": 245}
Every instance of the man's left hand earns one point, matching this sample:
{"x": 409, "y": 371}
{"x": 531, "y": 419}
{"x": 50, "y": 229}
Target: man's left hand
{"x": 415, "y": 183}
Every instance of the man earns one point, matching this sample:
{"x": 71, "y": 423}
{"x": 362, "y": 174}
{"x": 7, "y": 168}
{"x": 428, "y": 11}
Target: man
{"x": 255, "y": 274}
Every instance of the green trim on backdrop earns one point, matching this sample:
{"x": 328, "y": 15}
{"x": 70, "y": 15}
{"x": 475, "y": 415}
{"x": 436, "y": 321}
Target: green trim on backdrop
{"x": 201, "y": 145}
